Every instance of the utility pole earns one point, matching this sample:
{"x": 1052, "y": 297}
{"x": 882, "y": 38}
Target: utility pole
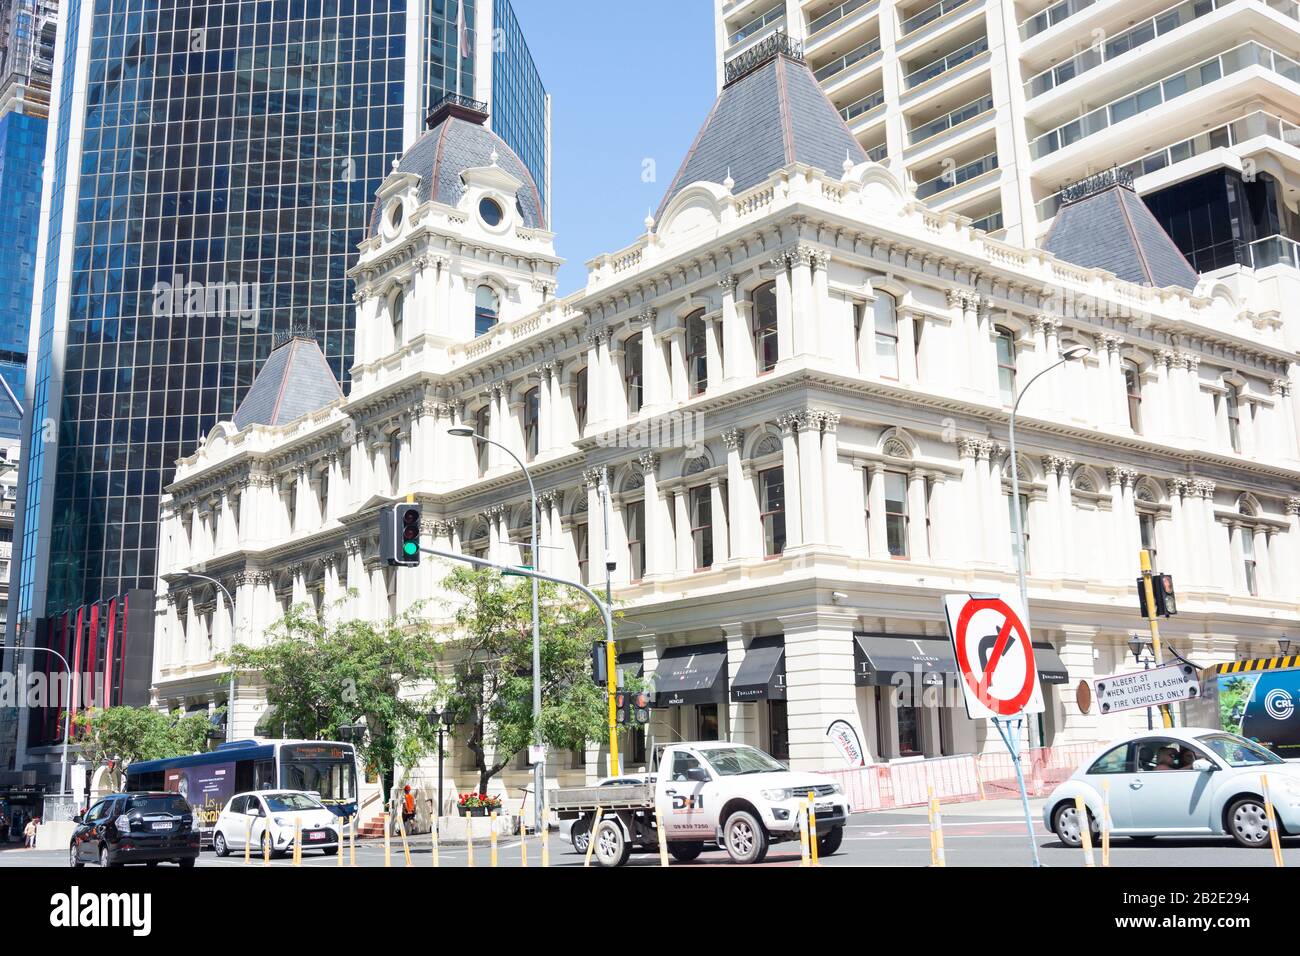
{"x": 611, "y": 652}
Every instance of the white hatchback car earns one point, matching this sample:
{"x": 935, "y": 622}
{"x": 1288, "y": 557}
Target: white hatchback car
{"x": 1184, "y": 781}
{"x": 266, "y": 819}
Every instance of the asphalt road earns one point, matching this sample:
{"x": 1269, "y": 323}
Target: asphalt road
{"x": 975, "y": 834}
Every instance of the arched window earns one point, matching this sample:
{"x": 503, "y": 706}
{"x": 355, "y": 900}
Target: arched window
{"x": 1133, "y": 388}
{"x": 1006, "y": 346}
{"x": 697, "y": 352}
{"x": 1246, "y": 533}
{"x": 532, "y": 421}
{"x": 398, "y": 308}
{"x": 764, "y": 322}
{"x": 487, "y": 309}
{"x": 885, "y": 310}
{"x": 1232, "y": 402}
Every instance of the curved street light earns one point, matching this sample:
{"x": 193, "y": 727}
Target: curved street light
{"x": 67, "y": 711}
{"x": 230, "y": 693}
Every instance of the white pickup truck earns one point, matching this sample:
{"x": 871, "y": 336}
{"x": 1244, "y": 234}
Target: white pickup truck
{"x": 707, "y": 792}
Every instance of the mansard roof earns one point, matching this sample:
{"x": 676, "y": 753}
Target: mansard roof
{"x": 294, "y": 381}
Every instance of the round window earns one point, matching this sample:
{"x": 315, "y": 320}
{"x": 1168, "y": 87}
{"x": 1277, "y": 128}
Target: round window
{"x": 395, "y": 213}
{"x": 490, "y": 212}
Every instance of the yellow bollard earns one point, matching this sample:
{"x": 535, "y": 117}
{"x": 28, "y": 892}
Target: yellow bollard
{"x": 297, "y": 841}
{"x": 352, "y": 840}
{"x": 1085, "y": 831}
{"x": 401, "y": 831}
{"x": 388, "y": 849}
{"x": 523, "y": 843}
{"x": 469, "y": 841}
{"x": 492, "y": 837}
{"x": 1273, "y": 837}
{"x": 338, "y": 853}
{"x": 661, "y": 815}
{"x": 248, "y": 842}
{"x": 433, "y": 837}
{"x": 546, "y": 835}
{"x": 937, "y": 857}
{"x": 591, "y": 841}
{"x": 812, "y": 830}
{"x": 266, "y": 846}
{"x": 1105, "y": 823}
{"x": 805, "y": 858}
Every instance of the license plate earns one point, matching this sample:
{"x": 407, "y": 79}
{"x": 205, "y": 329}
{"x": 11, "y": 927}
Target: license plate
{"x": 825, "y": 808}
{"x": 162, "y": 826}
{"x": 316, "y": 836}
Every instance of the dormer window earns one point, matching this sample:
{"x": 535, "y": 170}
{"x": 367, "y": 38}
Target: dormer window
{"x": 395, "y": 215}
{"x": 487, "y": 309}
{"x": 490, "y": 212}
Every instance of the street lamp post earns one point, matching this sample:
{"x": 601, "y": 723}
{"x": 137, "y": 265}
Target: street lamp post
{"x": 230, "y": 693}
{"x": 1069, "y": 355}
{"x": 67, "y": 711}
{"x": 444, "y": 721}
{"x": 539, "y": 765}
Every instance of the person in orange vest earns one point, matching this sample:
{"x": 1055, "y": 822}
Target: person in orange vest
{"x": 408, "y": 807}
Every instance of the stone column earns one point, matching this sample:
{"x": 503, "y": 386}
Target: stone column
{"x": 819, "y": 684}
{"x": 877, "y": 535}
{"x": 721, "y": 534}
{"x": 684, "y": 559}
{"x": 832, "y": 477}
{"x": 811, "y": 481}
{"x": 976, "y": 527}
{"x": 789, "y": 425}
{"x": 1071, "y": 561}
{"x": 918, "y": 545}
{"x": 738, "y": 360}
{"x": 658, "y": 529}
{"x": 616, "y": 407}
{"x": 1263, "y": 567}
{"x": 784, "y": 308}
{"x": 824, "y": 340}
{"x": 804, "y": 337}
{"x": 596, "y": 378}
{"x": 595, "y": 526}
{"x": 714, "y": 336}
{"x": 1076, "y": 652}
{"x": 741, "y": 719}
{"x": 743, "y": 513}
{"x": 654, "y": 372}
{"x": 679, "y": 386}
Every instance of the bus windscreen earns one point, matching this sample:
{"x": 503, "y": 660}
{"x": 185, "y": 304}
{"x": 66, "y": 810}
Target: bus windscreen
{"x": 326, "y": 769}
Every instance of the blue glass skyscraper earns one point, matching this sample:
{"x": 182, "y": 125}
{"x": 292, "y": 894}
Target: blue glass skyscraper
{"x": 213, "y": 168}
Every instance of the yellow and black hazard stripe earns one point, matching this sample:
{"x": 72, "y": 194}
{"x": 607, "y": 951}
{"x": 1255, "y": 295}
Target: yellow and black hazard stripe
{"x": 1258, "y": 664}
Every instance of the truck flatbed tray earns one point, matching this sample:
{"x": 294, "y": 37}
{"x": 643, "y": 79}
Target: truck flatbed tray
{"x": 635, "y": 797}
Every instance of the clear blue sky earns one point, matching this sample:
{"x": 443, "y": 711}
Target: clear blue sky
{"x": 629, "y": 82}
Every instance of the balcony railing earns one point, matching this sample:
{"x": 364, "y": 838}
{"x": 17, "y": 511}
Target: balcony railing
{"x": 877, "y": 154}
{"x": 837, "y": 66}
{"x": 930, "y": 14}
{"x": 946, "y": 63}
{"x": 1052, "y": 16}
{"x": 864, "y": 105}
{"x": 955, "y": 177}
{"x": 831, "y": 17}
{"x": 757, "y": 25}
{"x": 990, "y": 223}
{"x": 1162, "y": 91}
{"x": 1274, "y": 250}
{"x": 946, "y": 122}
{"x": 1258, "y": 123}
{"x": 1133, "y": 37}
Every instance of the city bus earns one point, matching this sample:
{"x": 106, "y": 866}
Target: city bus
{"x": 209, "y": 780}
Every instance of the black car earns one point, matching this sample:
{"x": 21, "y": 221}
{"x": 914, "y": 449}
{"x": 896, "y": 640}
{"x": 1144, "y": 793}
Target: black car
{"x": 136, "y": 828}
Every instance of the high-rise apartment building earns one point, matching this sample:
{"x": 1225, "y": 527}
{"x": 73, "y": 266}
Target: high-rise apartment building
{"x": 992, "y": 106}
{"x": 212, "y": 170}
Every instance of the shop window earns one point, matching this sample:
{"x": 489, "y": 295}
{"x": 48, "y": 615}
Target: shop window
{"x": 706, "y": 722}
{"x": 779, "y": 735}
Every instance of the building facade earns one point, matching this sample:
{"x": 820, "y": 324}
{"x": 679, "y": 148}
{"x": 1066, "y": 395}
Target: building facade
{"x": 213, "y": 167}
{"x": 992, "y": 106}
{"x": 796, "y": 387}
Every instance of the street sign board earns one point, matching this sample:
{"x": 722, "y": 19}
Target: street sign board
{"x": 1160, "y": 685}
{"x": 995, "y": 656}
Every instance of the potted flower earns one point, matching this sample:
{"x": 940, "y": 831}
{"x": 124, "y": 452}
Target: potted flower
{"x": 478, "y": 804}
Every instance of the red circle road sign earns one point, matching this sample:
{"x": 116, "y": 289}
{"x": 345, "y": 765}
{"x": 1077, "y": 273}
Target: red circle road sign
{"x": 1011, "y": 624}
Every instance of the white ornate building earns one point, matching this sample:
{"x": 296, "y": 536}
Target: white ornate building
{"x": 797, "y": 383}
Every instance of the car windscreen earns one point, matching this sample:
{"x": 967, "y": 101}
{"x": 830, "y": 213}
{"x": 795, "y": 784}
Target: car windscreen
{"x": 734, "y": 761}
{"x": 287, "y": 802}
{"x": 174, "y": 805}
{"x": 1238, "y": 751}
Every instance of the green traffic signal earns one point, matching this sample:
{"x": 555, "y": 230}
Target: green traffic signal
{"x": 411, "y": 548}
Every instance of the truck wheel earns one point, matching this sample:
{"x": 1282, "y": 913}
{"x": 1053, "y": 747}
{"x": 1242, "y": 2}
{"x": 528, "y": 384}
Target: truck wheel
{"x": 612, "y": 848}
{"x": 745, "y": 838}
{"x": 685, "y": 852}
{"x": 828, "y": 844}
{"x": 580, "y": 834}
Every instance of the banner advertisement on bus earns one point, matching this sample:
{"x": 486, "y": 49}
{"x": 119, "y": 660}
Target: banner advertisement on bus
{"x": 206, "y": 788}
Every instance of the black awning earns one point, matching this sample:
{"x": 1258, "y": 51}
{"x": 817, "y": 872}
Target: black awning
{"x": 1051, "y": 669}
{"x": 762, "y": 673}
{"x": 878, "y": 657}
{"x": 630, "y": 663}
{"x": 693, "y": 674}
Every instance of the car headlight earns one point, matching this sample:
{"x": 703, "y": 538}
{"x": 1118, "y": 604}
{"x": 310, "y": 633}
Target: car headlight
{"x": 776, "y": 794}
{"x": 836, "y": 788}
{"x": 282, "y": 822}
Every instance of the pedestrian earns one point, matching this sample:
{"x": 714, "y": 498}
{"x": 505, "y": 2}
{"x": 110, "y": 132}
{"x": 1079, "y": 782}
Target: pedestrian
{"x": 4, "y": 828}
{"x": 29, "y": 832}
{"x": 408, "y": 808}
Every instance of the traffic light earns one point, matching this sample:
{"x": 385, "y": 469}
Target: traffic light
{"x": 1162, "y": 590}
{"x": 622, "y": 709}
{"x": 641, "y": 707}
{"x": 599, "y": 666}
{"x": 399, "y": 535}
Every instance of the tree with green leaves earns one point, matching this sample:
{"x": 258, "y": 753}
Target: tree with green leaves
{"x": 489, "y": 653}
{"x": 124, "y": 735}
{"x": 320, "y": 676}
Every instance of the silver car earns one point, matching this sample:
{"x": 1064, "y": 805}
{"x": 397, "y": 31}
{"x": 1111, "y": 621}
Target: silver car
{"x": 1185, "y": 781}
